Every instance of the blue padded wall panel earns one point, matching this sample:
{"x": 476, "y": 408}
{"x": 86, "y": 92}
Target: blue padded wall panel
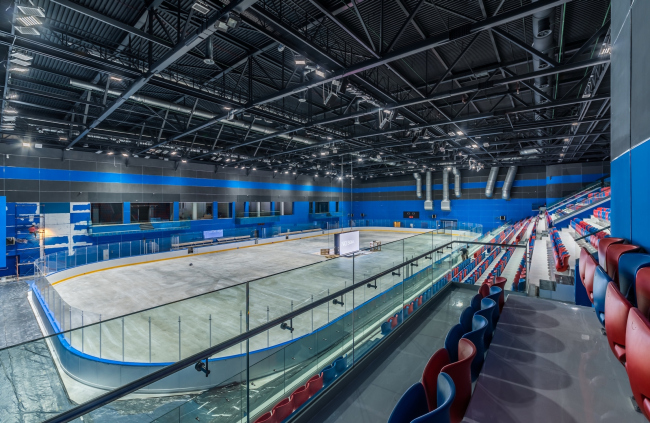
{"x": 640, "y": 200}
{"x": 621, "y": 197}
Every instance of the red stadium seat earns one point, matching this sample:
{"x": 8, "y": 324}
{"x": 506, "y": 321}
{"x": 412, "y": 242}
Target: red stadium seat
{"x": 299, "y": 397}
{"x": 283, "y": 409}
{"x": 430, "y": 375}
{"x": 617, "y": 309}
{"x": 603, "y": 245}
{"x": 637, "y": 340}
{"x": 643, "y": 291}
{"x": 461, "y": 373}
{"x": 484, "y": 290}
{"x": 266, "y": 418}
{"x": 315, "y": 384}
{"x": 614, "y": 253}
{"x": 590, "y": 270}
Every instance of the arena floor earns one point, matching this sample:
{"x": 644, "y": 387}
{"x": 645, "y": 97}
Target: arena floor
{"x": 166, "y": 333}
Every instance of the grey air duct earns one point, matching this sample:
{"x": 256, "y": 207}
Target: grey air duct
{"x": 418, "y": 181}
{"x": 428, "y": 204}
{"x": 543, "y": 41}
{"x": 456, "y": 173}
{"x": 507, "y": 185}
{"x": 445, "y": 205}
{"x": 492, "y": 179}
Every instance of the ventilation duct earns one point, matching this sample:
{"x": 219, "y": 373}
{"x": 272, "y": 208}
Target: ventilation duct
{"x": 445, "y": 205}
{"x": 507, "y": 185}
{"x": 428, "y": 204}
{"x": 456, "y": 173}
{"x": 492, "y": 179}
{"x": 543, "y": 41}
{"x": 418, "y": 181}
{"x": 188, "y": 110}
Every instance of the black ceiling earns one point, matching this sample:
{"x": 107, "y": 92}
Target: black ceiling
{"x": 417, "y": 84}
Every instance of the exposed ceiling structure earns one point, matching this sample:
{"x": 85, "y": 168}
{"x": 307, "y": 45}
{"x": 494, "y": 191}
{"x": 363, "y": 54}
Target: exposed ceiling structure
{"x": 374, "y": 87}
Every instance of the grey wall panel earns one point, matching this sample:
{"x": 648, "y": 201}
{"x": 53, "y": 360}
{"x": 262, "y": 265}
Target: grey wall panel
{"x": 639, "y": 110}
{"x": 621, "y": 78}
{"x": 55, "y": 197}
{"x": 22, "y": 185}
{"x": 82, "y": 165}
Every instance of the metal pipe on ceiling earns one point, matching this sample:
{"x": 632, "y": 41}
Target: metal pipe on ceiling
{"x": 428, "y": 203}
{"x": 456, "y": 173}
{"x": 445, "y": 204}
{"x": 167, "y": 105}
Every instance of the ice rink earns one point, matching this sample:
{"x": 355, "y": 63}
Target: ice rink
{"x": 184, "y": 327}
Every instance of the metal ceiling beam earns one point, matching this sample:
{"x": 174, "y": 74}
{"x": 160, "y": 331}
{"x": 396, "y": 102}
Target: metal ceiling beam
{"x": 404, "y": 25}
{"x": 468, "y": 118}
{"x": 112, "y": 22}
{"x": 410, "y": 50}
{"x": 183, "y": 47}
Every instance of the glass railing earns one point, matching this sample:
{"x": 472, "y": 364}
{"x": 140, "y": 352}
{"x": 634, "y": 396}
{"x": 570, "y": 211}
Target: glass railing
{"x": 260, "y": 213}
{"x": 581, "y": 193}
{"x": 94, "y": 351}
{"x": 236, "y": 352}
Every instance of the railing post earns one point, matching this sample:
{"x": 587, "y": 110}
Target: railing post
{"x": 267, "y": 331}
{"x": 179, "y": 337}
{"x": 122, "y": 338}
{"x": 149, "y": 339}
{"x": 82, "y": 331}
{"x": 210, "y": 331}
{"x": 248, "y": 312}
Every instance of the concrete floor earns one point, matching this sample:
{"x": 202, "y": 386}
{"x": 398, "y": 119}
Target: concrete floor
{"x": 189, "y": 326}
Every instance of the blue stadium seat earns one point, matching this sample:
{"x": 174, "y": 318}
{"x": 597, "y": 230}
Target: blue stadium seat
{"x": 340, "y": 364}
{"x": 411, "y": 405}
{"x": 466, "y": 319}
{"x": 451, "y": 341}
{"x": 628, "y": 265}
{"x": 446, "y": 395}
{"x": 601, "y": 280}
{"x": 476, "y": 302}
{"x": 487, "y": 311}
{"x": 477, "y": 336}
{"x": 385, "y": 328}
{"x": 329, "y": 374}
{"x": 495, "y": 295}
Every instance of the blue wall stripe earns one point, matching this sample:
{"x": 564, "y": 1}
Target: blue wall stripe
{"x": 81, "y": 207}
{"x": 86, "y": 176}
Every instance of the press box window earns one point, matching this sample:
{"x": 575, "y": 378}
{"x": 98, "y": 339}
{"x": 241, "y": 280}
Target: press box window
{"x": 106, "y": 213}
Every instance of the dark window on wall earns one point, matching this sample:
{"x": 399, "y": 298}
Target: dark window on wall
{"x": 186, "y": 211}
{"x": 106, "y": 213}
{"x": 240, "y": 206}
{"x": 322, "y": 207}
{"x": 223, "y": 210}
{"x": 151, "y": 212}
{"x": 311, "y": 207}
{"x": 337, "y": 206}
{"x": 288, "y": 208}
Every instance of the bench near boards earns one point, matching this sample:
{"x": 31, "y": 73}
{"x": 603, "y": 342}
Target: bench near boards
{"x": 212, "y": 241}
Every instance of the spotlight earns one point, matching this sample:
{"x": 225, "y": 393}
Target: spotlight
{"x": 300, "y": 60}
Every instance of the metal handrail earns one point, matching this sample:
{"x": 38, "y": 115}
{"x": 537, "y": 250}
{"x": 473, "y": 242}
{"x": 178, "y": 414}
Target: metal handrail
{"x": 137, "y": 384}
{"x": 592, "y": 233}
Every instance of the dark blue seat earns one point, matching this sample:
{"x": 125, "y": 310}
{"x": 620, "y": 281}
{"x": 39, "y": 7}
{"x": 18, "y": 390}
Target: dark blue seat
{"x": 340, "y": 364}
{"x": 476, "y": 302}
{"x": 628, "y": 265}
{"x": 451, "y": 341}
{"x": 446, "y": 394}
{"x": 411, "y": 405}
{"x": 487, "y": 311}
{"x": 495, "y": 295}
{"x": 385, "y": 328}
{"x": 466, "y": 319}
{"x": 329, "y": 374}
{"x": 601, "y": 280}
{"x": 477, "y": 336}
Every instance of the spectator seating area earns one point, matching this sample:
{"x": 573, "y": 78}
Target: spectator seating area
{"x": 583, "y": 228}
{"x": 519, "y": 281}
{"x": 549, "y": 220}
{"x": 618, "y": 284}
{"x": 602, "y": 213}
{"x": 560, "y": 254}
{"x": 582, "y": 202}
{"x": 303, "y": 394}
{"x": 445, "y": 389}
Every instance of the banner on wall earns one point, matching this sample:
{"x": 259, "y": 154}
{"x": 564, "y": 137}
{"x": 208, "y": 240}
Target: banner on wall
{"x": 346, "y": 242}
{"x": 217, "y": 233}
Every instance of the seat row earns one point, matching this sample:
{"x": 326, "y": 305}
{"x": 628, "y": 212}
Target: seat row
{"x": 602, "y": 193}
{"x": 482, "y": 267}
{"x": 560, "y": 253}
{"x": 549, "y": 220}
{"x": 443, "y": 393}
{"x": 602, "y": 213}
{"x": 304, "y": 393}
{"x": 583, "y": 228}
{"x": 618, "y": 284}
